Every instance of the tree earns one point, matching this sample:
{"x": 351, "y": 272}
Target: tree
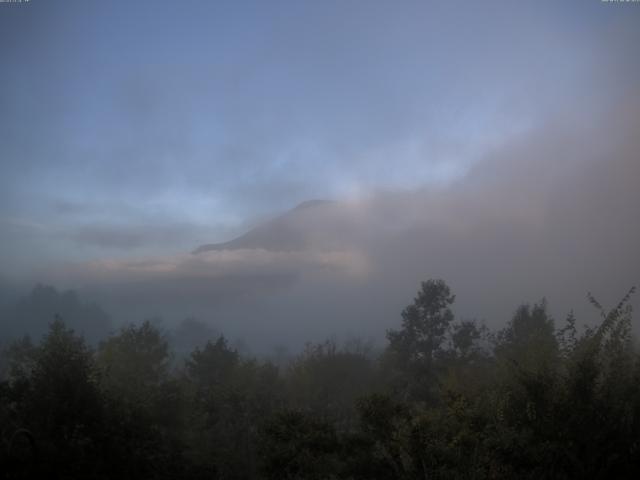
{"x": 572, "y": 414}
{"x": 144, "y": 403}
{"x": 213, "y": 364}
{"x": 134, "y": 362}
{"x": 529, "y": 340}
{"x": 60, "y": 404}
{"x": 296, "y": 445}
{"x": 328, "y": 380}
{"x": 467, "y": 360}
{"x": 230, "y": 398}
{"x": 414, "y": 349}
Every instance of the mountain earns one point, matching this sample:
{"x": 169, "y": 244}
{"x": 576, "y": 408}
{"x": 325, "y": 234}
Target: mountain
{"x": 291, "y": 231}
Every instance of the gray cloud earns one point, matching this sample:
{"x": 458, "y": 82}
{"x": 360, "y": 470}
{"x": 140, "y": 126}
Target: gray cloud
{"x": 128, "y": 237}
{"x": 551, "y": 213}
{"x": 241, "y": 114}
{"x": 498, "y": 151}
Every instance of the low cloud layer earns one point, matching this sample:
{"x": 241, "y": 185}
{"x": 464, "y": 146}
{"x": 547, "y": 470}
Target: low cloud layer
{"x": 551, "y": 213}
{"x": 499, "y": 152}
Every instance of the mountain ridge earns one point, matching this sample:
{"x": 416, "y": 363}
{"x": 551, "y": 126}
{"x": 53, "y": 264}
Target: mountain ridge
{"x": 281, "y": 233}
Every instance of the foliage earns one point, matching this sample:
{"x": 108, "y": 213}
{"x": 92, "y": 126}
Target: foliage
{"x": 55, "y": 397}
{"x": 327, "y": 381}
{"x": 446, "y": 399}
{"x": 297, "y": 445}
{"x": 414, "y": 350}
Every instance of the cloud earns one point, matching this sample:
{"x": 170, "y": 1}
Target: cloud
{"x": 550, "y": 212}
{"x": 501, "y": 155}
{"x": 219, "y": 264}
{"x": 240, "y": 114}
{"x": 127, "y": 237}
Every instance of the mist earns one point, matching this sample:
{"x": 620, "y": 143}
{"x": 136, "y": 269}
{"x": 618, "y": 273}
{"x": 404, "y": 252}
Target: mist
{"x": 360, "y": 240}
{"x": 548, "y": 210}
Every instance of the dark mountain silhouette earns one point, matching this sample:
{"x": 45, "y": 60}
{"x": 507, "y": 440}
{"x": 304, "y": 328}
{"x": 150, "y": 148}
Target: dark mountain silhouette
{"x": 287, "y": 232}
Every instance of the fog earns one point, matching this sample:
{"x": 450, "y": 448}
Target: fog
{"x": 511, "y": 172}
{"x": 330, "y": 239}
{"x": 552, "y": 213}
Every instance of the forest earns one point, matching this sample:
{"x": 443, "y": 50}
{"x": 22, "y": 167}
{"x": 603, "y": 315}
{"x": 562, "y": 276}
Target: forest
{"x": 445, "y": 398}
{"x": 319, "y": 240}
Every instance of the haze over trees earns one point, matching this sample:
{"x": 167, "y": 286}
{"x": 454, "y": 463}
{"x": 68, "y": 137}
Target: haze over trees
{"x": 331, "y": 239}
{"x": 32, "y": 313}
{"x": 445, "y": 398}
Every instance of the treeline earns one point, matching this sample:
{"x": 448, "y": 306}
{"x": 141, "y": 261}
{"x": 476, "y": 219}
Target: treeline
{"x": 31, "y": 314}
{"x": 445, "y": 399}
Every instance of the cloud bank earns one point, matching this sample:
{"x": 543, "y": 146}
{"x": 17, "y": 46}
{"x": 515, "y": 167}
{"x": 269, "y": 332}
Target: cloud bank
{"x": 552, "y": 212}
{"x": 497, "y": 151}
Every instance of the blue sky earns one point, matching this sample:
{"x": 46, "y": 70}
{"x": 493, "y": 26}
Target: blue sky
{"x": 133, "y": 128}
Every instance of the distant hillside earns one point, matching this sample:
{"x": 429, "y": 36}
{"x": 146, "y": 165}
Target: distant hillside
{"x": 287, "y": 232}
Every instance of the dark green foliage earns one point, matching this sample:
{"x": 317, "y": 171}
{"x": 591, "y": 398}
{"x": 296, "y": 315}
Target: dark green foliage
{"x": 578, "y": 417}
{"x": 386, "y": 423}
{"x": 424, "y": 325}
{"x": 212, "y": 365}
{"x": 529, "y": 341}
{"x": 446, "y": 400}
{"x": 144, "y": 403}
{"x": 415, "y": 349}
{"x": 327, "y": 380}
{"x": 54, "y": 395}
{"x": 230, "y": 399}
{"x": 296, "y": 446}
{"x": 134, "y": 362}
{"x": 465, "y": 337}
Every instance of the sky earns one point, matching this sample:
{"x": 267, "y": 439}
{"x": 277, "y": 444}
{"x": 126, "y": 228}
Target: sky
{"x": 139, "y": 130}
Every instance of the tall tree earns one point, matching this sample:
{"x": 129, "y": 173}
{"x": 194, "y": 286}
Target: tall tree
{"x": 59, "y": 403}
{"x": 135, "y": 361}
{"x": 414, "y": 349}
{"x": 529, "y": 340}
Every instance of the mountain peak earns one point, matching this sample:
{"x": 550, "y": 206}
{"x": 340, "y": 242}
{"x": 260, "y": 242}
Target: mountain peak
{"x": 282, "y": 233}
